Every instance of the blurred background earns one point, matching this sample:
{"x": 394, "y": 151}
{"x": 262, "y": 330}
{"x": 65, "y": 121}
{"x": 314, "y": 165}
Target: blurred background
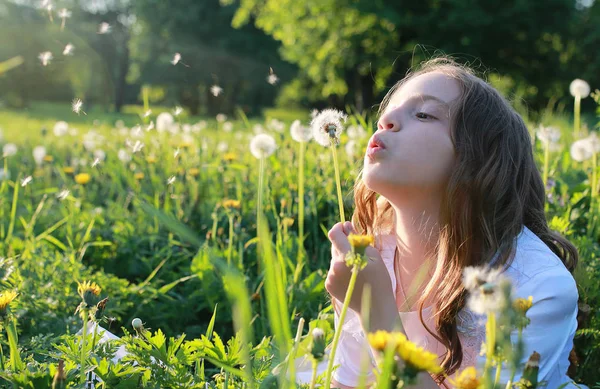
{"x": 288, "y": 54}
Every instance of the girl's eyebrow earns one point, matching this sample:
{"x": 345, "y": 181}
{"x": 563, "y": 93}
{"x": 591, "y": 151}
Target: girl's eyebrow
{"x": 424, "y": 97}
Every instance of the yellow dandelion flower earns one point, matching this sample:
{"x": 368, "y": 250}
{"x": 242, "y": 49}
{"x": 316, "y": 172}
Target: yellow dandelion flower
{"x": 88, "y": 287}
{"x": 379, "y": 340}
{"x": 229, "y": 157}
{"x": 231, "y": 204}
{"x": 82, "y": 178}
{"x": 418, "y": 358}
{"x": 467, "y": 379}
{"x": 194, "y": 172}
{"x": 360, "y": 242}
{"x": 185, "y": 145}
{"x": 522, "y": 305}
{"x": 138, "y": 176}
{"x": 287, "y": 221}
{"x": 5, "y": 299}
{"x": 151, "y": 159}
{"x": 68, "y": 170}
{"x": 48, "y": 158}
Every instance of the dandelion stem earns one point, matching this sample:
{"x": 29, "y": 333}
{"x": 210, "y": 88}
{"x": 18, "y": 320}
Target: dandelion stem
{"x": 513, "y": 370}
{"x": 498, "y": 370}
{"x": 226, "y": 382}
{"x": 338, "y": 330}
{"x": 292, "y": 355}
{"x": 313, "y": 378}
{"x": 491, "y": 346}
{"x": 337, "y": 182}
{"x": 84, "y": 316}
{"x": 13, "y": 212}
{"x": 230, "y": 248}
{"x": 577, "y": 114}
{"x": 301, "y": 203}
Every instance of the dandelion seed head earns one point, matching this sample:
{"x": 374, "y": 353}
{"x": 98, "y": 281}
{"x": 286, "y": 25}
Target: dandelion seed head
{"x": 123, "y": 155}
{"x": 262, "y": 145}
{"x": 277, "y": 125}
{"x": 272, "y": 79}
{"x": 176, "y": 58}
{"x": 299, "y": 132}
{"x": 61, "y": 128}
{"x": 39, "y": 152}
{"x": 581, "y": 150}
{"x": 164, "y": 121}
{"x": 547, "y": 135}
{"x": 216, "y": 90}
{"x": 327, "y": 126}
{"x": 221, "y": 117}
{"x": 227, "y": 126}
{"x": 579, "y": 88}
{"x": 222, "y": 147}
{"x": 64, "y": 13}
{"x": 594, "y": 142}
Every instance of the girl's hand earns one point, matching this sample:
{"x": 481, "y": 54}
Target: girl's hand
{"x": 375, "y": 273}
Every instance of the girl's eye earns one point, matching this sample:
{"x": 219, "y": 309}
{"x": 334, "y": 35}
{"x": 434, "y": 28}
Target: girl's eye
{"x": 423, "y": 115}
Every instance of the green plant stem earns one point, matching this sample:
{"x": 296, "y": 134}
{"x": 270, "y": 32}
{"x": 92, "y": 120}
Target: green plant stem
{"x": 546, "y": 162}
{"x": 313, "y": 378}
{"x": 13, "y": 211}
{"x": 13, "y": 344}
{"x": 2, "y": 359}
{"x": 226, "y": 382}
{"x": 230, "y": 244}
{"x": 292, "y": 357}
{"x": 513, "y": 370}
{"x": 498, "y": 370}
{"x": 301, "y": 202}
{"x": 338, "y": 330}
{"x": 338, "y": 183}
{"x": 490, "y": 346}
{"x": 577, "y": 110}
{"x": 84, "y": 316}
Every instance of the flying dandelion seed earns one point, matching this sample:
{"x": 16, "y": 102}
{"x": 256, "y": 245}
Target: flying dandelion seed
{"x": 49, "y": 7}
{"x": 68, "y": 50}
{"x": 134, "y": 146}
{"x": 76, "y": 106}
{"x": 64, "y": 14}
{"x": 176, "y": 153}
{"x": 96, "y": 162}
{"x": 176, "y": 59}
{"x": 104, "y": 28}
{"x": 171, "y": 180}
{"x": 25, "y": 181}
{"x": 177, "y": 111}
{"x": 45, "y": 57}
{"x": 327, "y": 126}
{"x": 216, "y": 90}
{"x": 150, "y": 126}
{"x": 147, "y": 113}
{"x": 62, "y": 195}
{"x": 272, "y": 77}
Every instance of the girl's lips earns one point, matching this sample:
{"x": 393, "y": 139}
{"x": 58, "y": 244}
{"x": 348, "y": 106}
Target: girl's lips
{"x": 373, "y": 151}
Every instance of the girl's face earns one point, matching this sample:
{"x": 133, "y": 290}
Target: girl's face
{"x": 412, "y": 147}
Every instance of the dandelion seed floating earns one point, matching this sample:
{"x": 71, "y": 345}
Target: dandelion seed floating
{"x": 64, "y": 14}
{"x": 177, "y": 111}
{"x": 327, "y": 126}
{"x": 68, "y": 50}
{"x": 272, "y": 77}
{"x": 76, "y": 106}
{"x": 25, "y": 181}
{"x": 171, "y": 180}
{"x": 216, "y": 90}
{"x": 104, "y": 28}
{"x": 96, "y": 162}
{"x": 62, "y": 195}
{"x": 176, "y": 59}
{"x": 45, "y": 57}
{"x": 147, "y": 113}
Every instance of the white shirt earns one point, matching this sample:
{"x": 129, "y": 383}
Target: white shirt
{"x": 535, "y": 271}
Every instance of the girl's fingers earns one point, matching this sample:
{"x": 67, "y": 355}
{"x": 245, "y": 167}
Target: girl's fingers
{"x": 348, "y": 228}
{"x": 339, "y": 239}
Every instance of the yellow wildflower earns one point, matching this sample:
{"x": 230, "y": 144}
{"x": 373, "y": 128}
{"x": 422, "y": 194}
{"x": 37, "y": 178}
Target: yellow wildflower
{"x": 467, "y": 379}
{"x": 229, "y": 157}
{"x": 151, "y": 159}
{"x": 5, "y": 299}
{"x": 287, "y": 221}
{"x": 138, "y": 176}
{"x": 418, "y": 358}
{"x": 194, "y": 172}
{"x": 83, "y": 178}
{"x": 229, "y": 204}
{"x": 185, "y": 144}
{"x": 360, "y": 242}
{"x": 86, "y": 286}
{"x": 522, "y": 305}
{"x": 68, "y": 170}
{"x": 379, "y": 340}
{"x": 48, "y": 158}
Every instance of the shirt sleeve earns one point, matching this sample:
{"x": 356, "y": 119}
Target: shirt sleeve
{"x": 552, "y": 328}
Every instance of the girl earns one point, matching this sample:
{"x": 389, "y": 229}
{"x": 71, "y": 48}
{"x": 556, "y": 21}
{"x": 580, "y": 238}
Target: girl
{"x": 449, "y": 181}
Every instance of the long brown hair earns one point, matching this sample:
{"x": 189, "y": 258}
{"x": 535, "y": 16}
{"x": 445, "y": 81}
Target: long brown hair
{"x": 494, "y": 189}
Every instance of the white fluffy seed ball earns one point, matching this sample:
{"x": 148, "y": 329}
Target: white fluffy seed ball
{"x": 137, "y": 323}
{"x": 262, "y": 145}
{"x": 299, "y": 132}
{"x": 579, "y": 88}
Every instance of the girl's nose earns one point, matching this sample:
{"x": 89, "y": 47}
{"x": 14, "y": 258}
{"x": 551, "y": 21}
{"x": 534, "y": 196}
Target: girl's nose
{"x": 387, "y": 122}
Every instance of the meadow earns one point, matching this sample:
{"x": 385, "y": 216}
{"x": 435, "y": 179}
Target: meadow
{"x": 149, "y": 224}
